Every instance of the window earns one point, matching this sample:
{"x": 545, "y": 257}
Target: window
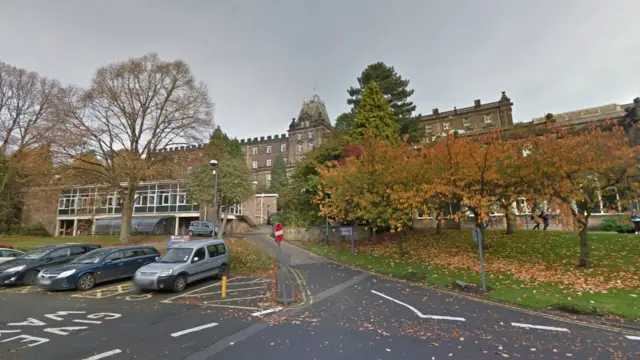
{"x": 200, "y": 254}
{"x": 285, "y": 160}
{"x": 152, "y": 199}
{"x": 59, "y": 253}
{"x": 300, "y": 136}
{"x": 446, "y": 126}
{"x": 254, "y": 177}
{"x": 428, "y": 128}
{"x": 466, "y": 122}
{"x": 310, "y": 134}
{"x": 212, "y": 250}
{"x": 115, "y": 256}
{"x": 488, "y": 119}
{"x": 77, "y": 250}
{"x": 269, "y": 149}
{"x": 299, "y": 148}
{"x": 254, "y": 164}
{"x": 283, "y": 147}
{"x": 221, "y": 249}
{"x": 268, "y": 177}
{"x": 254, "y": 150}
{"x": 149, "y": 252}
{"x": 128, "y": 254}
{"x": 166, "y": 199}
{"x": 268, "y": 162}
{"x": 67, "y": 203}
{"x": 182, "y": 199}
{"x": 311, "y": 145}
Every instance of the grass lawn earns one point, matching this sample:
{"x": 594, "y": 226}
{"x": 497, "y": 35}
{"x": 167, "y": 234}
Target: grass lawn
{"x": 246, "y": 257}
{"x": 530, "y": 268}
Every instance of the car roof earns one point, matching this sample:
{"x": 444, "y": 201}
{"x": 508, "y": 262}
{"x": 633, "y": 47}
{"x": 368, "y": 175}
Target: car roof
{"x": 129, "y": 247}
{"x": 54, "y": 246}
{"x": 197, "y": 243}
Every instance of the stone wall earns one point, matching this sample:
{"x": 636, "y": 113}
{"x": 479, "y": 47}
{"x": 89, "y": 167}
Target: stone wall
{"x": 522, "y": 222}
{"x": 318, "y": 232}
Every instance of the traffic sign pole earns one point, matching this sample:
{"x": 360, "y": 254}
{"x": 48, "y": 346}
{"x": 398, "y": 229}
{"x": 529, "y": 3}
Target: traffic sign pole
{"x": 478, "y": 239}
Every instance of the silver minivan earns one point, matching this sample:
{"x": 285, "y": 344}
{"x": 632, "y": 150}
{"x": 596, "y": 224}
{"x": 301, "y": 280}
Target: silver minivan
{"x": 183, "y": 264}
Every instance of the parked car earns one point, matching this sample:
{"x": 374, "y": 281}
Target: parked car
{"x": 202, "y": 228}
{"x": 183, "y": 264}
{"x": 25, "y": 269}
{"x": 9, "y": 254}
{"x": 97, "y": 266}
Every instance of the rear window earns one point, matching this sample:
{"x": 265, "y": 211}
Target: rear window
{"x": 149, "y": 252}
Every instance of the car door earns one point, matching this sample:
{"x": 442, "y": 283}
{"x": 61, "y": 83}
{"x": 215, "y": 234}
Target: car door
{"x": 114, "y": 266}
{"x": 198, "y": 266}
{"x": 76, "y": 251}
{"x": 215, "y": 259}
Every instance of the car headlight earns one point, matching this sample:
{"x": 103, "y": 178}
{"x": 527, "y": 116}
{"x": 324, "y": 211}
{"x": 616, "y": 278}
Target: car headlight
{"x": 66, "y": 273}
{"x": 166, "y": 272}
{"x": 15, "y": 269}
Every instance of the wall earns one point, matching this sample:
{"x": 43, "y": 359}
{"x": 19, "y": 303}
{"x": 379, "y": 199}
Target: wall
{"x": 522, "y": 222}
{"x": 315, "y": 233}
{"x": 41, "y": 206}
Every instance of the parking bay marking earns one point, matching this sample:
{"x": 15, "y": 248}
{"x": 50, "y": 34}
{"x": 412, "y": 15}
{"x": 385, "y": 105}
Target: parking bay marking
{"x": 633, "y": 337}
{"x": 197, "y": 328}
{"x": 106, "y": 292}
{"x": 192, "y": 293}
{"x": 416, "y": 311}
{"x": 104, "y": 355}
{"x": 540, "y": 327}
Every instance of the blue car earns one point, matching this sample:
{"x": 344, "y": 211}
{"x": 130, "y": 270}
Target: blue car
{"x": 97, "y": 266}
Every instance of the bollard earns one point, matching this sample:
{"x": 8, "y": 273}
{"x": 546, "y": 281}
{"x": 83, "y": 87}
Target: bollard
{"x": 224, "y": 287}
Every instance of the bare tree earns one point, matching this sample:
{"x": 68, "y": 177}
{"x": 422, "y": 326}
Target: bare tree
{"x": 130, "y": 113}
{"x": 26, "y": 108}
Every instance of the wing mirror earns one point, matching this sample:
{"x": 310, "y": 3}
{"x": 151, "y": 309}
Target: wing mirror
{"x": 156, "y": 258}
{"x": 195, "y": 259}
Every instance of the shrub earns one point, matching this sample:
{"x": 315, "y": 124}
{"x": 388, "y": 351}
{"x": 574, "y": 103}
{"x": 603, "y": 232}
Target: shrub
{"x": 33, "y": 230}
{"x": 619, "y": 223}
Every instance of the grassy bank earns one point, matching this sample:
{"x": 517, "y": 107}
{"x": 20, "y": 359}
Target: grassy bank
{"x": 246, "y": 257}
{"x": 530, "y": 268}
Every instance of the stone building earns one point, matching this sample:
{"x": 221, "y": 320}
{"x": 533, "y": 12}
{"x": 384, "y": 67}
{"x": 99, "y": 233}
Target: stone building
{"x": 309, "y": 130}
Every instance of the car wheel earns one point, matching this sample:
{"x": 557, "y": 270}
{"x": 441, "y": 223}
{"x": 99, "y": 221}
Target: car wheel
{"x": 30, "y": 277}
{"x": 223, "y": 271}
{"x": 179, "y": 284}
{"x": 190, "y": 233}
{"x": 86, "y": 282}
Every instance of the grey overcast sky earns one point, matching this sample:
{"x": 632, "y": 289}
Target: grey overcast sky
{"x": 261, "y": 58}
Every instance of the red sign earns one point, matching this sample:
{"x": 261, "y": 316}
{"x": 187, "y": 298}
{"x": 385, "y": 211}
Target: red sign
{"x": 278, "y": 232}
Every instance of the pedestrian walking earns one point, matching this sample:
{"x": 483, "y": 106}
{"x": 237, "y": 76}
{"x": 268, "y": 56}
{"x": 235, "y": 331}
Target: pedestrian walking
{"x": 635, "y": 219}
{"x": 536, "y": 220}
{"x": 545, "y": 219}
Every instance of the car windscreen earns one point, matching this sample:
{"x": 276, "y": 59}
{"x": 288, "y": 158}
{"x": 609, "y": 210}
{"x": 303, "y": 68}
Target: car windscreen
{"x": 92, "y": 256}
{"x": 36, "y": 254}
{"x": 175, "y": 255}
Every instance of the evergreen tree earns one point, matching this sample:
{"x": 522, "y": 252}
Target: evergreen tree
{"x": 397, "y": 93}
{"x": 375, "y": 117}
{"x": 221, "y": 146}
{"x": 279, "y": 179}
{"x": 344, "y": 122}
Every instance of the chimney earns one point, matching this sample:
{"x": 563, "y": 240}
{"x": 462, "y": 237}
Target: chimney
{"x": 476, "y": 103}
{"x": 435, "y": 111}
{"x": 455, "y": 110}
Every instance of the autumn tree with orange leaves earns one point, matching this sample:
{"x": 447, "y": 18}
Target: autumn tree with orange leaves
{"x": 575, "y": 168}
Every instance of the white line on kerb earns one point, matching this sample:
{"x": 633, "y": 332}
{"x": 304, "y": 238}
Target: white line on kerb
{"x": 104, "y": 354}
{"x": 633, "y": 337}
{"x": 259, "y": 313}
{"x": 421, "y": 315}
{"x": 197, "y": 328}
{"x": 529, "y": 326}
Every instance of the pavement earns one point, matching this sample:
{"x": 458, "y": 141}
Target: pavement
{"x": 342, "y": 314}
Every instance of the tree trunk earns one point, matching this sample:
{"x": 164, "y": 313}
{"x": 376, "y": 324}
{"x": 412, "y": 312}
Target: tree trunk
{"x": 439, "y": 222}
{"x": 224, "y": 223}
{"x": 584, "y": 243}
{"x": 372, "y": 234}
{"x": 509, "y": 218}
{"x": 127, "y": 213}
{"x": 400, "y": 240}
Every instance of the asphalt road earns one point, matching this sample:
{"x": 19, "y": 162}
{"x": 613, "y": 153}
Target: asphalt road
{"x": 344, "y": 314}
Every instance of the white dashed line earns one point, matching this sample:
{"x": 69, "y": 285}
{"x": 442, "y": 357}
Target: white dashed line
{"x": 260, "y": 313}
{"x": 529, "y": 326}
{"x": 197, "y": 328}
{"x": 633, "y": 337}
{"x": 104, "y": 355}
{"x": 421, "y": 315}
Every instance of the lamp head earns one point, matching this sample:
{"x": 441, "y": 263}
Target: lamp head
{"x": 213, "y": 163}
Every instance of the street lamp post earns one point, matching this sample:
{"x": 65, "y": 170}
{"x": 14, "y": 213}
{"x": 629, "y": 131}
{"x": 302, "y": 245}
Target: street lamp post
{"x": 214, "y": 165}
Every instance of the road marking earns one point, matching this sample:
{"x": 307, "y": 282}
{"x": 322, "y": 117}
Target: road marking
{"x": 106, "y": 292}
{"x": 197, "y": 328}
{"x": 264, "y": 312}
{"x": 169, "y": 300}
{"x": 529, "y": 326}
{"x": 88, "y": 321}
{"x": 633, "y": 337}
{"x": 233, "y": 306}
{"x": 420, "y": 315}
{"x": 235, "y": 299}
{"x": 228, "y": 291}
{"x": 104, "y": 355}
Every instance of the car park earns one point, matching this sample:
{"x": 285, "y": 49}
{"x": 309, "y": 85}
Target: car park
{"x": 97, "y": 266}
{"x": 9, "y": 254}
{"x": 183, "y": 264}
{"x": 202, "y": 228}
{"x": 25, "y": 269}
